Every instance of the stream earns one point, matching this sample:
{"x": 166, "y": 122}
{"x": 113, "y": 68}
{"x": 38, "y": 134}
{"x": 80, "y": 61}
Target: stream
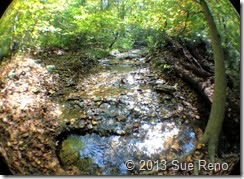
{"x": 124, "y": 118}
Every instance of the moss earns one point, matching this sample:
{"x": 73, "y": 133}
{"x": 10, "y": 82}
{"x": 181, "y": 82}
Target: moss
{"x": 111, "y": 91}
{"x": 71, "y": 114}
{"x": 69, "y": 153}
{"x": 70, "y": 156}
{"x": 87, "y": 167}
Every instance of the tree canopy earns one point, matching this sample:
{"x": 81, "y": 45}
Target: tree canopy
{"x": 31, "y": 25}
{"x": 41, "y": 23}
{"x": 116, "y": 24}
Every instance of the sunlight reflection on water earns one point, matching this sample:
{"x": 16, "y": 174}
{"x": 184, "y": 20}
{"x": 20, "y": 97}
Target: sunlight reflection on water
{"x": 113, "y": 151}
{"x": 138, "y": 106}
{"x": 155, "y": 138}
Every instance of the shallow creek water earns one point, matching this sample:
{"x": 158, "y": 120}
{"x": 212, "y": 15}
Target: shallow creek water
{"x": 125, "y": 119}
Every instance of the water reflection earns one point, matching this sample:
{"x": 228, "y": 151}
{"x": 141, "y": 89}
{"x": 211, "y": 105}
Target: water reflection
{"x": 154, "y": 139}
{"x": 110, "y": 153}
{"x": 133, "y": 120}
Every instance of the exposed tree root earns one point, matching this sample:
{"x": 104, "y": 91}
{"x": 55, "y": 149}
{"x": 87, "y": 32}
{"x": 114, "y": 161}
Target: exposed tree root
{"x": 197, "y": 71}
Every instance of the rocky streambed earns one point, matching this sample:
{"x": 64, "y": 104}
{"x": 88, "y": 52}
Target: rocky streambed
{"x": 124, "y": 118}
{"x": 94, "y": 125}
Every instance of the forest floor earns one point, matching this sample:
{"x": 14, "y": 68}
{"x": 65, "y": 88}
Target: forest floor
{"x": 56, "y": 120}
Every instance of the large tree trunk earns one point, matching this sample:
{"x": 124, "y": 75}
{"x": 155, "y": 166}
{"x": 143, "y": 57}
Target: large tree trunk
{"x": 214, "y": 126}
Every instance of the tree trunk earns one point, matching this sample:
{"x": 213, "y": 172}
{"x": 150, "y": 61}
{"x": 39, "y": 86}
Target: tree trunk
{"x": 13, "y": 43}
{"x": 113, "y": 42}
{"x": 101, "y": 5}
{"x": 215, "y": 122}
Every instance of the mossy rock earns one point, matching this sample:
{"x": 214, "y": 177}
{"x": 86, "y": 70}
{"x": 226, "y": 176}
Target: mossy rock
{"x": 69, "y": 154}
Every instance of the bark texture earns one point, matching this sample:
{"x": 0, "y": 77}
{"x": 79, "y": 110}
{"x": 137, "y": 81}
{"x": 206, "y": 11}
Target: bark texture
{"x": 214, "y": 126}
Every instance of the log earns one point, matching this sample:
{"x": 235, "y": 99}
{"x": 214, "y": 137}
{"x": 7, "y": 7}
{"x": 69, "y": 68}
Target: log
{"x": 203, "y": 87}
{"x": 189, "y": 68}
{"x": 200, "y": 72}
{"x": 202, "y": 80}
{"x": 190, "y": 55}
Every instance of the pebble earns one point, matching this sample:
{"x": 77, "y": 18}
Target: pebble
{"x": 94, "y": 122}
{"x": 38, "y": 61}
{"x": 72, "y": 121}
{"x": 187, "y": 121}
{"x": 97, "y": 99}
{"x": 8, "y": 144}
{"x": 121, "y": 118}
{"x": 151, "y": 75}
{"x": 82, "y": 124}
{"x": 136, "y": 124}
{"x": 197, "y": 117}
{"x": 50, "y": 67}
{"x": 173, "y": 101}
{"x": 89, "y": 126}
{"x": 25, "y": 135}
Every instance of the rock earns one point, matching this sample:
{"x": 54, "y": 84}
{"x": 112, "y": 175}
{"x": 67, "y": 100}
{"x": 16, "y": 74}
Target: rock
{"x": 36, "y": 91}
{"x": 82, "y": 124}
{"x": 89, "y": 126}
{"x": 97, "y": 99}
{"x": 26, "y": 134}
{"x": 72, "y": 121}
{"x": 11, "y": 74}
{"x": 38, "y": 61}
{"x": 197, "y": 117}
{"x": 121, "y": 132}
{"x": 80, "y": 104}
{"x": 70, "y": 83}
{"x": 160, "y": 81}
{"x": 123, "y": 93}
{"x": 151, "y": 75}
{"x": 94, "y": 122}
{"x": 173, "y": 101}
{"x": 121, "y": 118}
{"x": 98, "y": 118}
{"x": 60, "y": 52}
{"x": 69, "y": 154}
{"x": 167, "y": 97}
{"x": 187, "y": 121}
{"x": 112, "y": 113}
{"x": 136, "y": 124}
{"x": 165, "y": 88}
{"x": 123, "y": 81}
{"x": 50, "y": 67}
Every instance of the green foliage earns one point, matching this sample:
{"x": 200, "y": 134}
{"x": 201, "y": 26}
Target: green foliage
{"x": 99, "y": 26}
{"x": 228, "y": 24}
